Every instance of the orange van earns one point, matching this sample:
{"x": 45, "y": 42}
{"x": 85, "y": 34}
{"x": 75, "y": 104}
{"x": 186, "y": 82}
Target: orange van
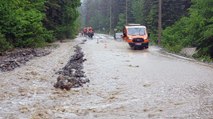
{"x": 136, "y": 35}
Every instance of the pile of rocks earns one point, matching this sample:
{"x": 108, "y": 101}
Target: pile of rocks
{"x": 16, "y": 58}
{"x": 189, "y": 52}
{"x": 72, "y": 75}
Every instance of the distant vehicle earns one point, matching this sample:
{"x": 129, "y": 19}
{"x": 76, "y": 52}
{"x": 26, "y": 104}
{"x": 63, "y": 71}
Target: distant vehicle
{"x": 90, "y": 32}
{"x": 136, "y": 35}
{"x": 85, "y": 31}
{"x": 118, "y": 35}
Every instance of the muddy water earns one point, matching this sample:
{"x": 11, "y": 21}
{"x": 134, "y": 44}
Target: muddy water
{"x": 124, "y": 84}
{"x": 146, "y": 84}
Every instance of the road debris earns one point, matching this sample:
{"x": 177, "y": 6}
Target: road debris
{"x": 135, "y": 66}
{"x": 83, "y": 41}
{"x": 18, "y": 57}
{"x": 72, "y": 76}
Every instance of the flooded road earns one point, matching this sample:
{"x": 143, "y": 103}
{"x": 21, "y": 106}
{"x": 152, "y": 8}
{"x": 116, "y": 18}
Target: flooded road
{"x": 124, "y": 84}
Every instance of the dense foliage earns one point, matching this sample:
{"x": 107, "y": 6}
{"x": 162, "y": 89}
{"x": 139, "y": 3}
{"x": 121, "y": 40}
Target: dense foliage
{"x": 32, "y": 23}
{"x": 195, "y": 30}
{"x": 135, "y": 11}
{"x": 61, "y": 17}
{"x": 185, "y": 23}
{"x": 146, "y": 12}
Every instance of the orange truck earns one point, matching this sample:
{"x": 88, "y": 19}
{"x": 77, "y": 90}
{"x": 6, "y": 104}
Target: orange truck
{"x": 136, "y": 35}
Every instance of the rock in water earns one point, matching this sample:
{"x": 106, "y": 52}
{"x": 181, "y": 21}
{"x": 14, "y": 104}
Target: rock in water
{"x": 71, "y": 75}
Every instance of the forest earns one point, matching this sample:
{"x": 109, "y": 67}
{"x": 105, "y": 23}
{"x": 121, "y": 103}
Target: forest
{"x": 185, "y": 23}
{"x": 33, "y": 23}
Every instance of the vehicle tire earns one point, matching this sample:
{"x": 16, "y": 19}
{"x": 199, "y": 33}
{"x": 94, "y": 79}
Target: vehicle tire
{"x": 142, "y": 47}
{"x": 134, "y": 48}
{"x": 131, "y": 45}
{"x": 147, "y": 46}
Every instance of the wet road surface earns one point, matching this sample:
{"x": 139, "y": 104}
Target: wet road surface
{"x": 124, "y": 84}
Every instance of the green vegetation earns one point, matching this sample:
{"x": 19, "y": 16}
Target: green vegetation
{"x": 4, "y": 45}
{"x": 146, "y": 12}
{"x": 138, "y": 11}
{"x": 194, "y": 30}
{"x": 30, "y": 23}
{"x": 61, "y": 17}
{"x": 186, "y": 23}
{"x": 33, "y": 23}
{"x": 121, "y": 22}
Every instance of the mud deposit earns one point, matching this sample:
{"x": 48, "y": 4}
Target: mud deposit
{"x": 15, "y": 59}
{"x": 72, "y": 76}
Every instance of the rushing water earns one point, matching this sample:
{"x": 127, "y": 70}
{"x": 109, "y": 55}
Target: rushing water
{"x": 124, "y": 84}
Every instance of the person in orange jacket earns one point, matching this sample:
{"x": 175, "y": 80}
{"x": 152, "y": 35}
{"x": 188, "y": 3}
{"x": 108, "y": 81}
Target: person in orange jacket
{"x": 90, "y": 32}
{"x": 85, "y": 31}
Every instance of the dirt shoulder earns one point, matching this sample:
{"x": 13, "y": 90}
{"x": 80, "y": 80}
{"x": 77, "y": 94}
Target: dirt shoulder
{"x": 18, "y": 57}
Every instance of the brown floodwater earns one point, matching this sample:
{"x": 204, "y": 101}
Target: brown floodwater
{"x": 124, "y": 84}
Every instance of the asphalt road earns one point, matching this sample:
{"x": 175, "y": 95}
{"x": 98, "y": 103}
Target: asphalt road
{"x": 124, "y": 84}
{"x": 147, "y": 83}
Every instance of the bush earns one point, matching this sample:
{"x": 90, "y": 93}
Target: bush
{"x": 21, "y": 23}
{"x": 4, "y": 45}
{"x": 153, "y": 38}
{"x": 195, "y": 30}
{"x": 61, "y": 18}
